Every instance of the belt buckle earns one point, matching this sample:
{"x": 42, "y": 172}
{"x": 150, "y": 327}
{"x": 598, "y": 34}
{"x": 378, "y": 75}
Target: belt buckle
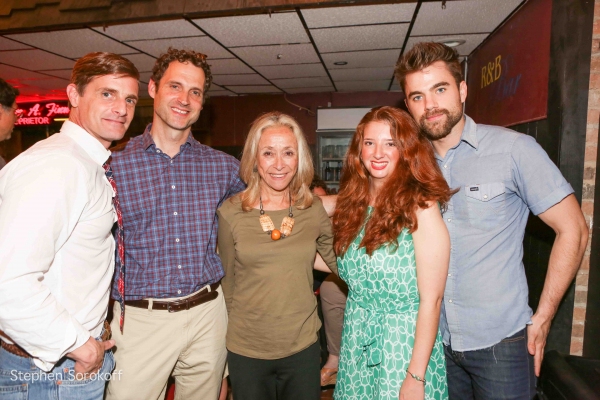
{"x": 178, "y": 303}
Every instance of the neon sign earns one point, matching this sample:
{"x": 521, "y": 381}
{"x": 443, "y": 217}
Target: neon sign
{"x": 41, "y": 114}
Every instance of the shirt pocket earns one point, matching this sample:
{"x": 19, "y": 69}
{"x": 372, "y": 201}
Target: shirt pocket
{"x": 486, "y": 205}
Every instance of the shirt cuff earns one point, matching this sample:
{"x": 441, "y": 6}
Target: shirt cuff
{"x": 551, "y": 200}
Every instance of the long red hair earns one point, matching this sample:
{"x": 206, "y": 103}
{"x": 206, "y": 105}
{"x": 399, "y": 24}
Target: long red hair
{"x": 415, "y": 181}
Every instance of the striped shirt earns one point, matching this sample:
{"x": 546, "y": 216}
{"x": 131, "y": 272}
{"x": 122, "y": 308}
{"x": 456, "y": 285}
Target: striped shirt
{"x": 169, "y": 215}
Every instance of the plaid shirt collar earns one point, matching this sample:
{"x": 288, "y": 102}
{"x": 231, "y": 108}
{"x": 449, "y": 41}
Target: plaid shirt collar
{"x": 148, "y": 142}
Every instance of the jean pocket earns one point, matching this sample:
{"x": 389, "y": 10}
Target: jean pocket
{"x": 17, "y": 391}
{"x": 486, "y": 204}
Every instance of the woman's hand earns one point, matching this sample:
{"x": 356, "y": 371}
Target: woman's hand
{"x": 412, "y": 389}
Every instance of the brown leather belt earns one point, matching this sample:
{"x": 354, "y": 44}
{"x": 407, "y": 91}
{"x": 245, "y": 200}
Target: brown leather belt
{"x": 18, "y": 350}
{"x": 201, "y": 297}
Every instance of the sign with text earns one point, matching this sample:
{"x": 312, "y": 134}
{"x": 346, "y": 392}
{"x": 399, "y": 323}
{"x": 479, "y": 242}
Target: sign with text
{"x": 508, "y": 75}
{"x": 41, "y": 113}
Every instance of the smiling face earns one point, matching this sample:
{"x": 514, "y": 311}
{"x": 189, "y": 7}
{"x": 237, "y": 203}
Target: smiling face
{"x": 434, "y": 100}
{"x": 379, "y": 153}
{"x": 106, "y": 107}
{"x": 277, "y": 158}
{"x": 178, "y": 96}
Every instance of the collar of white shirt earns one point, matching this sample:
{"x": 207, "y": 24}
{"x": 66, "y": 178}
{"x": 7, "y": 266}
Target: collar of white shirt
{"x": 90, "y": 144}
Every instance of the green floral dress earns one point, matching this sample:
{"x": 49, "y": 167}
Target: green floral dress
{"x": 379, "y": 324}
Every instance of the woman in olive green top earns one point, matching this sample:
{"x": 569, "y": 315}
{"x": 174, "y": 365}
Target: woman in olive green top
{"x": 268, "y": 238}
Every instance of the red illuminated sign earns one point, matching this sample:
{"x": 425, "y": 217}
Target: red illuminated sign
{"x": 40, "y": 113}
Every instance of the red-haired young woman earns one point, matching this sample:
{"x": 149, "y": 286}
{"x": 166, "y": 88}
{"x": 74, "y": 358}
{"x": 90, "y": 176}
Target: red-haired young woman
{"x": 393, "y": 251}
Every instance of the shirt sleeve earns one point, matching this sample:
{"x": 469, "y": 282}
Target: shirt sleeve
{"x": 325, "y": 239}
{"x": 539, "y": 181}
{"x": 226, "y": 249}
{"x": 236, "y": 185}
{"x": 41, "y": 203}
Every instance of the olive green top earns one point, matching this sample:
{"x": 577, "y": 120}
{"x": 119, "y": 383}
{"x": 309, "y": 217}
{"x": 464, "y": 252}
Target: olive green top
{"x": 268, "y": 284}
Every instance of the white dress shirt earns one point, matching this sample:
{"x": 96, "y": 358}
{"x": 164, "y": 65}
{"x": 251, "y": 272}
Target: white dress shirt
{"x": 56, "y": 247}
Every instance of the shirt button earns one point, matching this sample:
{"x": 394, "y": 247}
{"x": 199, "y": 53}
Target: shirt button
{"x": 450, "y": 275}
{"x": 449, "y": 301}
{"x": 175, "y": 213}
{"x": 485, "y": 196}
{"x": 173, "y": 187}
{"x": 171, "y": 161}
{"x": 177, "y": 240}
{"x": 449, "y": 220}
{"x": 158, "y": 151}
{"x": 179, "y": 266}
{"x": 179, "y": 292}
{"x": 446, "y": 166}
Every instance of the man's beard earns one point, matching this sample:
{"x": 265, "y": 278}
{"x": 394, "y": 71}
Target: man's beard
{"x": 439, "y": 130}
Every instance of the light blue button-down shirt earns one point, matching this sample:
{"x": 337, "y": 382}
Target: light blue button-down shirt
{"x": 501, "y": 175}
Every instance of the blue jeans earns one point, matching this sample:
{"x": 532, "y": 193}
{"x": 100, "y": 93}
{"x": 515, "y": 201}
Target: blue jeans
{"x": 503, "y": 371}
{"x": 21, "y": 379}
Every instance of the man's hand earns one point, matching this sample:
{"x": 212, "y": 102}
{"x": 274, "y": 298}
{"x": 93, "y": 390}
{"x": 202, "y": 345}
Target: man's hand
{"x": 537, "y": 333}
{"x": 89, "y": 357}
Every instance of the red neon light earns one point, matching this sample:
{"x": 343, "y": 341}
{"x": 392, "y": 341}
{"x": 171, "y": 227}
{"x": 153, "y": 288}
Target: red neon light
{"x": 41, "y": 114}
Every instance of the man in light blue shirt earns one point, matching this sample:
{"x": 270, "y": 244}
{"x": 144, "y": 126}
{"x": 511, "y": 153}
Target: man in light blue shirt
{"x": 494, "y": 342}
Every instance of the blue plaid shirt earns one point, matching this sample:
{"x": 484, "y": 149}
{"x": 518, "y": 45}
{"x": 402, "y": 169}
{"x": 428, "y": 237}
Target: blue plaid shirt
{"x": 169, "y": 215}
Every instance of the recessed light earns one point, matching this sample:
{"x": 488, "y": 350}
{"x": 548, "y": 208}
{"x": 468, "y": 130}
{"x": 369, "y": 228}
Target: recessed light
{"x": 453, "y": 42}
{"x": 340, "y": 63}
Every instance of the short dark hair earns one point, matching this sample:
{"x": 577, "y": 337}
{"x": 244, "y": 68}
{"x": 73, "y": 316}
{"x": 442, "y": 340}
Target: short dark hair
{"x": 8, "y": 94}
{"x": 183, "y": 56}
{"x": 317, "y": 182}
{"x": 423, "y": 55}
{"x": 99, "y": 64}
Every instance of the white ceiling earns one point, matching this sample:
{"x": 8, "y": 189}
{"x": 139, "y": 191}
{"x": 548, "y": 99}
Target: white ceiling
{"x": 293, "y": 51}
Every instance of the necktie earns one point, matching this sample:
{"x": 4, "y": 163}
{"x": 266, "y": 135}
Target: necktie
{"x": 120, "y": 259}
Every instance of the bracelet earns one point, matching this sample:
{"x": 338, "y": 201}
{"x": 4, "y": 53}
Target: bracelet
{"x": 416, "y": 377}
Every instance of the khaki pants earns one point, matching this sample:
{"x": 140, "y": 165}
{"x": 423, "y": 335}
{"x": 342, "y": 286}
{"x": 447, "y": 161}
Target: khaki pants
{"x": 188, "y": 344}
{"x": 334, "y": 292}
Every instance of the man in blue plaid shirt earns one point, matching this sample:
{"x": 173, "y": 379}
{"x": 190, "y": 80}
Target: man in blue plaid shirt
{"x": 170, "y": 186}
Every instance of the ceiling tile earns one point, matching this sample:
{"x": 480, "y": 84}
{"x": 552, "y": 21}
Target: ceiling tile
{"x": 362, "y": 74}
{"x": 47, "y": 83}
{"x": 13, "y": 74}
{"x": 471, "y": 41}
{"x": 363, "y": 86}
{"x": 143, "y": 62}
{"x": 358, "y": 15}
{"x": 367, "y": 37}
{"x": 35, "y": 59}
{"x": 254, "y": 89}
{"x": 145, "y": 76}
{"x": 302, "y": 82}
{"x": 462, "y": 16}
{"x": 151, "y": 30}
{"x": 60, "y": 73}
{"x": 267, "y": 55}
{"x": 252, "y": 30}
{"x": 72, "y": 43}
{"x": 202, "y": 44}
{"x": 228, "y": 66}
{"x": 217, "y": 93}
{"x": 7, "y": 44}
{"x": 143, "y": 93}
{"x": 311, "y": 89}
{"x": 239, "y": 79}
{"x": 362, "y": 59}
{"x": 292, "y": 71}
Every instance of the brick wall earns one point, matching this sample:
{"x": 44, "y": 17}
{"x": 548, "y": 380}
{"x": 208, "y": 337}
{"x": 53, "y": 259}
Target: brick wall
{"x": 589, "y": 177}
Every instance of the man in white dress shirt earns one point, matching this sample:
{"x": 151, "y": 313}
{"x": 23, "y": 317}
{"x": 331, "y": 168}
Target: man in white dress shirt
{"x": 56, "y": 248}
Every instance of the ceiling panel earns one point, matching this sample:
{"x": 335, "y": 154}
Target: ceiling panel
{"x": 360, "y": 15}
{"x": 217, "y": 93}
{"x": 145, "y": 76}
{"x": 240, "y": 79}
{"x": 363, "y": 86}
{"x": 252, "y": 30}
{"x": 311, "y": 89}
{"x": 151, "y": 30}
{"x": 60, "y": 73}
{"x": 367, "y": 37}
{"x": 302, "y": 82}
{"x": 47, "y": 83}
{"x": 462, "y": 16}
{"x": 37, "y": 59}
{"x": 361, "y": 74}
{"x": 254, "y": 89}
{"x": 72, "y": 43}
{"x": 12, "y": 74}
{"x": 471, "y": 41}
{"x": 228, "y": 66}
{"x": 7, "y": 44}
{"x": 292, "y": 71}
{"x": 143, "y": 62}
{"x": 202, "y": 44}
{"x": 143, "y": 93}
{"x": 267, "y": 55}
{"x": 362, "y": 59}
